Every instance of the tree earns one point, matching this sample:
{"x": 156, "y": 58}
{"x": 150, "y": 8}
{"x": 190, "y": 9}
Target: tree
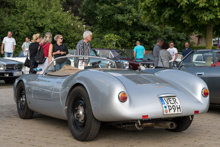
{"x": 28, "y": 17}
{"x": 187, "y": 15}
{"x": 122, "y": 18}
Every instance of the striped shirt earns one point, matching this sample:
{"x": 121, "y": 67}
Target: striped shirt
{"x": 82, "y": 48}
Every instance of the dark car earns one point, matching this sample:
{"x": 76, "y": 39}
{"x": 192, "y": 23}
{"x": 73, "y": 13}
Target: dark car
{"x": 10, "y": 70}
{"x": 120, "y": 55}
{"x": 205, "y": 64}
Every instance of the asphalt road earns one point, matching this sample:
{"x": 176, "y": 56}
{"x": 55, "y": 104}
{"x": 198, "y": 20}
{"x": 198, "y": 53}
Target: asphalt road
{"x": 43, "y": 131}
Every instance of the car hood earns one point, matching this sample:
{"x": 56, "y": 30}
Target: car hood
{"x": 19, "y": 59}
{"x": 8, "y": 61}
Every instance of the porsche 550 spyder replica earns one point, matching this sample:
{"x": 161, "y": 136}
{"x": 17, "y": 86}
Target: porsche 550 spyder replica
{"x": 85, "y": 92}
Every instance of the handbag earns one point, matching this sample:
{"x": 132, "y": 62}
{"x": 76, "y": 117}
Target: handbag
{"x": 27, "y": 62}
{"x": 40, "y": 58}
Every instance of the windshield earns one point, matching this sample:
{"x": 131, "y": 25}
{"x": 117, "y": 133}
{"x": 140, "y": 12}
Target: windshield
{"x": 148, "y": 57}
{"x": 79, "y": 63}
{"x": 199, "y": 58}
{"x": 103, "y": 53}
{"x": 121, "y": 54}
{"x": 23, "y": 54}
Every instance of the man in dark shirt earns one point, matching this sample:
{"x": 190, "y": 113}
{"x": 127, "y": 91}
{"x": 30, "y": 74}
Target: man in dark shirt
{"x": 186, "y": 50}
{"x": 83, "y": 46}
{"x": 156, "y": 51}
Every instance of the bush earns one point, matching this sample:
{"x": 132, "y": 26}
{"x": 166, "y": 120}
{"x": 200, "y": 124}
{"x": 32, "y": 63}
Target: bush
{"x": 201, "y": 47}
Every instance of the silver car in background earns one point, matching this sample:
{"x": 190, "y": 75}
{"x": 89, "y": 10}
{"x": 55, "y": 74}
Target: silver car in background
{"x": 87, "y": 94}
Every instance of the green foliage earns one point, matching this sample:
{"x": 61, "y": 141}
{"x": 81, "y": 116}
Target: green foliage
{"x": 187, "y": 15}
{"x": 112, "y": 40}
{"x": 122, "y": 18}
{"x": 202, "y": 47}
{"x": 28, "y": 17}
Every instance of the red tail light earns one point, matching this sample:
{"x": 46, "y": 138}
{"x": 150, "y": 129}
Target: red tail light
{"x": 205, "y": 92}
{"x": 122, "y": 97}
{"x": 144, "y": 116}
{"x": 196, "y": 112}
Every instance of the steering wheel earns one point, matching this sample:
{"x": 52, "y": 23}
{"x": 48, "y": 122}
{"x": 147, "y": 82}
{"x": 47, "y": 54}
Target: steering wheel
{"x": 96, "y": 64}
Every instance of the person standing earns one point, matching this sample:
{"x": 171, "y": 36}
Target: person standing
{"x": 33, "y": 48}
{"x": 25, "y": 45}
{"x": 59, "y": 50}
{"x": 8, "y": 44}
{"x": 186, "y": 50}
{"x": 173, "y": 52}
{"x": 139, "y": 51}
{"x": 83, "y": 47}
{"x": 156, "y": 51}
{"x": 164, "y": 57}
{"x": 47, "y": 49}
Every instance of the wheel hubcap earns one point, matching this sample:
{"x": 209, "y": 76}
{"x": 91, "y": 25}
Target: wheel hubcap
{"x": 22, "y": 100}
{"x": 79, "y": 114}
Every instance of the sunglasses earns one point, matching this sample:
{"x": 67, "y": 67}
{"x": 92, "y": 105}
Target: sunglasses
{"x": 61, "y": 38}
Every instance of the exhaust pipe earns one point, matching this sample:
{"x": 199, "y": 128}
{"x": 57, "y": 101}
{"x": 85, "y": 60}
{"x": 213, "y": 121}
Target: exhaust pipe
{"x": 163, "y": 124}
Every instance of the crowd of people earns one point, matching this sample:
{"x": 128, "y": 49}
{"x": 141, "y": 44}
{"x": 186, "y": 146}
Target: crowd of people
{"x": 31, "y": 47}
{"x": 164, "y": 54}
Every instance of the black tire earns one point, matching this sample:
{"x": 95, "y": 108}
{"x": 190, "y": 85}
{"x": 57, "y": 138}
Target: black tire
{"x": 182, "y": 123}
{"x": 82, "y": 123}
{"x": 22, "y": 107}
{"x": 9, "y": 80}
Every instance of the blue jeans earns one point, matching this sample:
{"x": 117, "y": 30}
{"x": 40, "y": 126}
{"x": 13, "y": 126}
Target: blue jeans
{"x": 7, "y": 54}
{"x": 60, "y": 65}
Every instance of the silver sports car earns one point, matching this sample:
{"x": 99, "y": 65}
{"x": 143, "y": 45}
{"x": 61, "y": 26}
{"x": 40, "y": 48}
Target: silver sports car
{"x": 79, "y": 90}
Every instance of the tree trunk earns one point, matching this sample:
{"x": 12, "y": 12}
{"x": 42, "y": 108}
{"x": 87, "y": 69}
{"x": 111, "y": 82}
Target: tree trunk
{"x": 209, "y": 30}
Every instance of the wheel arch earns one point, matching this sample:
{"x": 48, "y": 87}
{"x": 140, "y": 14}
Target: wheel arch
{"x": 74, "y": 86}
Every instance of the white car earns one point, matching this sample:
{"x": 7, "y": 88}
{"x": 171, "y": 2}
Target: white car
{"x": 20, "y": 58}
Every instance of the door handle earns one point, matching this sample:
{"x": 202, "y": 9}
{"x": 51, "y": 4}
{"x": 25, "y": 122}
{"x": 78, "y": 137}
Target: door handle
{"x": 200, "y": 73}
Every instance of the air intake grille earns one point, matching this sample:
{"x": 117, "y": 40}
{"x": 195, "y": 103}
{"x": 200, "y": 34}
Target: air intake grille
{"x": 155, "y": 79}
{"x": 137, "y": 79}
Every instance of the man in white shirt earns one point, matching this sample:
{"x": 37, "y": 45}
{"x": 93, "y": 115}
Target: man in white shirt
{"x": 8, "y": 44}
{"x": 173, "y": 52}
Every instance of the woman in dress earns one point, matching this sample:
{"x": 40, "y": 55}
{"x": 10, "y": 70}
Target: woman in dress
{"x": 164, "y": 57}
{"x": 47, "y": 49}
{"x": 59, "y": 50}
{"x": 33, "y": 48}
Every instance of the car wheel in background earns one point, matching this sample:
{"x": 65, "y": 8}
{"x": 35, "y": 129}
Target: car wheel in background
{"x": 82, "y": 123}
{"x": 182, "y": 123}
{"x": 9, "y": 80}
{"x": 23, "y": 110}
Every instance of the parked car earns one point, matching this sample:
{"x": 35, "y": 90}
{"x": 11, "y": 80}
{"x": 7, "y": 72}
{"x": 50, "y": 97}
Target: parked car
{"x": 120, "y": 55}
{"x": 10, "y": 70}
{"x": 21, "y": 57}
{"x": 204, "y": 64}
{"x": 123, "y": 98}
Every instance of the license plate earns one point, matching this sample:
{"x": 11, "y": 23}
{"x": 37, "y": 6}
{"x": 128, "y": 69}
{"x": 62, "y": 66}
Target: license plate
{"x": 17, "y": 73}
{"x": 171, "y": 105}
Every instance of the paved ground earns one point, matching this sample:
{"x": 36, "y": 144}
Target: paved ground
{"x": 45, "y": 131}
